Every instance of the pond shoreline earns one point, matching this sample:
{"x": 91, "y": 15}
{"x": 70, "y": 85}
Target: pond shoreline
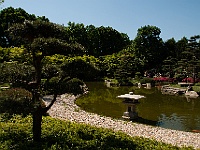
{"x": 66, "y": 109}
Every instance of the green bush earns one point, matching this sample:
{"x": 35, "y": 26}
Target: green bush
{"x": 15, "y": 101}
{"x": 66, "y": 85}
{"x": 80, "y": 68}
{"x": 138, "y": 75}
{"x": 147, "y": 80}
{"x": 16, "y": 73}
{"x": 75, "y": 86}
{"x": 49, "y": 71}
{"x": 16, "y": 134}
{"x": 13, "y": 54}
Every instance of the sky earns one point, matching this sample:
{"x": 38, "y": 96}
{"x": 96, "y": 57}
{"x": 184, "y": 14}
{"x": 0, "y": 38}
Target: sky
{"x": 175, "y": 18}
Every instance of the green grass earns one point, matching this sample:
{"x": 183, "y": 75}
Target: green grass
{"x": 7, "y": 85}
{"x": 16, "y": 134}
{"x": 196, "y": 87}
{"x": 177, "y": 86}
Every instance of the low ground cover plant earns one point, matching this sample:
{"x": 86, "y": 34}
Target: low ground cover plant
{"x": 16, "y": 134}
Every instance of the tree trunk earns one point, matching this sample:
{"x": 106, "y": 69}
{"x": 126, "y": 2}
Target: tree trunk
{"x": 37, "y": 117}
{"x": 37, "y": 113}
{"x": 37, "y": 125}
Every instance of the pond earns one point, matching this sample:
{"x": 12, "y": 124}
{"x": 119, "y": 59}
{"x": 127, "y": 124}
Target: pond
{"x": 167, "y": 111}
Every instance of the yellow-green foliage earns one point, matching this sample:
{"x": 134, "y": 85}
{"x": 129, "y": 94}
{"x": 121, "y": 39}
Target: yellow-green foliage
{"x": 89, "y": 59}
{"x": 16, "y": 133}
{"x": 55, "y": 59}
{"x": 59, "y": 59}
{"x": 196, "y": 88}
{"x": 12, "y": 54}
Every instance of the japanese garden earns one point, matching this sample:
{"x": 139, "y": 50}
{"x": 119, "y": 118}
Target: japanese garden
{"x": 53, "y": 92}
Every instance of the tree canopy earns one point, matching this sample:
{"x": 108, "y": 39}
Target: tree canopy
{"x": 149, "y": 46}
{"x": 10, "y": 16}
{"x": 98, "y": 41}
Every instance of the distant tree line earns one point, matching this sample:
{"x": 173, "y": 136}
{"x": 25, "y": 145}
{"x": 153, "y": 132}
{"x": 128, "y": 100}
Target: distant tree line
{"x": 117, "y": 55}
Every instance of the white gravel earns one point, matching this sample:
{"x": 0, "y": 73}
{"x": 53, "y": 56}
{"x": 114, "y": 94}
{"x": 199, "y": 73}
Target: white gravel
{"x": 65, "y": 108}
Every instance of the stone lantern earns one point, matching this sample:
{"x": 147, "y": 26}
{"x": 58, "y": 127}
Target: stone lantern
{"x": 130, "y": 100}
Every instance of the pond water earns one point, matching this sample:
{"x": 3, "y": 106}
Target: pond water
{"x": 167, "y": 111}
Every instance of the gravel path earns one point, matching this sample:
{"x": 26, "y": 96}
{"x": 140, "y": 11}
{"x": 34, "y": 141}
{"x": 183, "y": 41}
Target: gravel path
{"x": 65, "y": 108}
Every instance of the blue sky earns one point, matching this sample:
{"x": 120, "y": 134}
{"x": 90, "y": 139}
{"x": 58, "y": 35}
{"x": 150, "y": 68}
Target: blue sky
{"x": 175, "y": 18}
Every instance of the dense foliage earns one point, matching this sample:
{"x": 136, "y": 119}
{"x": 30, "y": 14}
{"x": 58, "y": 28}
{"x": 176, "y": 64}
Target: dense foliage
{"x": 10, "y": 16}
{"x": 98, "y": 41}
{"x": 66, "y": 85}
{"x": 81, "y": 67}
{"x": 18, "y": 74}
{"x": 115, "y": 55}
{"x": 15, "y": 133}
{"x": 15, "y": 101}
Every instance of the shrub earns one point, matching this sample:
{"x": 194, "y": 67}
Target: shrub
{"x": 75, "y": 86}
{"x": 147, "y": 80}
{"x": 81, "y": 69}
{"x": 13, "y": 54}
{"x": 16, "y": 73}
{"x": 66, "y": 85}
{"x": 15, "y": 133}
{"x": 138, "y": 75}
{"x": 49, "y": 71}
{"x": 15, "y": 101}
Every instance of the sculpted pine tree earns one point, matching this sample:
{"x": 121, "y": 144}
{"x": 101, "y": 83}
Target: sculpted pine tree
{"x": 42, "y": 39}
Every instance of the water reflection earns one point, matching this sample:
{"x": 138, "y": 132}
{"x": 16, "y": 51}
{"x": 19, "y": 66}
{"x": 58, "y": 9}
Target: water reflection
{"x": 174, "y": 112}
{"x": 145, "y": 121}
{"x": 172, "y": 122}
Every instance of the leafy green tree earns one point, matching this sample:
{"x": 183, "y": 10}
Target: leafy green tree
{"x": 123, "y": 65}
{"x": 180, "y": 47}
{"x": 93, "y": 40}
{"x": 192, "y": 55}
{"x": 42, "y": 39}
{"x": 189, "y": 57}
{"x": 109, "y": 41}
{"x": 176, "y": 64}
{"x": 169, "y": 66}
{"x": 125, "y": 70}
{"x": 98, "y": 41}
{"x": 110, "y": 65}
{"x": 170, "y": 48}
{"x": 149, "y": 46}
{"x": 194, "y": 46}
{"x": 77, "y": 33}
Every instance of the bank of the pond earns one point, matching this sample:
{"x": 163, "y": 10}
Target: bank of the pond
{"x": 65, "y": 108}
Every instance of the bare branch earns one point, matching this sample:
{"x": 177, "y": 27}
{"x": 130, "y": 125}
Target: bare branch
{"x": 44, "y": 110}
